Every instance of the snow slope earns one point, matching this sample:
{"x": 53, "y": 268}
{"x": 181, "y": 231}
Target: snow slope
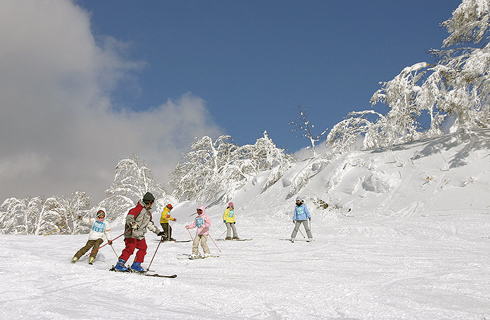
{"x": 405, "y": 236}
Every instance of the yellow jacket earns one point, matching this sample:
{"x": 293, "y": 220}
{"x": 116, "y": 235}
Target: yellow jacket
{"x": 166, "y": 216}
{"x": 227, "y": 214}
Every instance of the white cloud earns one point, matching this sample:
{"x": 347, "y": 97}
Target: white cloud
{"x": 59, "y": 133}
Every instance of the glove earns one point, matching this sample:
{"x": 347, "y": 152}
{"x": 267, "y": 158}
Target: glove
{"x": 134, "y": 225}
{"x": 161, "y": 234}
{"x": 187, "y": 227}
{"x": 224, "y": 221}
{"x": 110, "y": 243}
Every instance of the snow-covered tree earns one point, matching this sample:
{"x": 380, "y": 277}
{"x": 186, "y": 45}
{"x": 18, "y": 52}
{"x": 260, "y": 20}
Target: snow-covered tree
{"x": 458, "y": 84}
{"x": 22, "y": 216}
{"x": 38, "y": 216}
{"x": 303, "y": 125}
{"x": 64, "y": 211}
{"x": 356, "y": 125}
{"x": 199, "y": 176}
{"x": 132, "y": 180}
{"x": 214, "y": 171}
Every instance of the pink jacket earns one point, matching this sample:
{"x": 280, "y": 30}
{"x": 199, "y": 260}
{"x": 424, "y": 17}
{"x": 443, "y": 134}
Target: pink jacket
{"x": 202, "y": 222}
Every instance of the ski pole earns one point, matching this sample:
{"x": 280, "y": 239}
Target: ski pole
{"x": 55, "y": 230}
{"x": 108, "y": 242}
{"x": 222, "y": 233}
{"x": 161, "y": 240}
{"x": 214, "y": 242}
{"x": 218, "y": 229}
{"x": 190, "y": 234}
{"x": 301, "y": 233}
{"x": 115, "y": 252}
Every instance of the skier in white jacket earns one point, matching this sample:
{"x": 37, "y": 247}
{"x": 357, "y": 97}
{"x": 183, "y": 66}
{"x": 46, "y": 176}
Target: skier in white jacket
{"x": 100, "y": 228}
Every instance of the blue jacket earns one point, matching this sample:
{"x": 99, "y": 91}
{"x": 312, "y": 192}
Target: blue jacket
{"x": 301, "y": 213}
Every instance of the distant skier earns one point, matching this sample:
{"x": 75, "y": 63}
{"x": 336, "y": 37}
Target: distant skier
{"x": 137, "y": 221}
{"x": 301, "y": 216}
{"x": 229, "y": 220}
{"x": 202, "y": 222}
{"x": 100, "y": 228}
{"x": 164, "y": 222}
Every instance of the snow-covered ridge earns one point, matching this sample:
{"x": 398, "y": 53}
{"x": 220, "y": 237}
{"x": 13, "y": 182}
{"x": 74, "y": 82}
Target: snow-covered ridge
{"x": 444, "y": 173}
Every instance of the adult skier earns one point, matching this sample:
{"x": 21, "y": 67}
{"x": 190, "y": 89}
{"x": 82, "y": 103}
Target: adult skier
{"x": 301, "y": 216}
{"x": 100, "y": 228}
{"x": 137, "y": 221}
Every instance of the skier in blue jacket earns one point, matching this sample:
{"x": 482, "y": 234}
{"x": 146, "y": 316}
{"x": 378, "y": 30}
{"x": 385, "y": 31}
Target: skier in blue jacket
{"x": 301, "y": 216}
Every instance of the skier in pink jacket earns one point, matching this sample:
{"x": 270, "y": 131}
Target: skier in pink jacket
{"x": 202, "y": 222}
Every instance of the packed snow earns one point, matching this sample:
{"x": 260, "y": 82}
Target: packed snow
{"x": 405, "y": 235}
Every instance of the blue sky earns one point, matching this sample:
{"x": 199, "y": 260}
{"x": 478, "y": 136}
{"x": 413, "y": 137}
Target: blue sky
{"x": 86, "y": 83}
{"x": 254, "y": 62}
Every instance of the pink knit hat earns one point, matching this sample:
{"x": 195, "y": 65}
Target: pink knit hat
{"x": 230, "y": 204}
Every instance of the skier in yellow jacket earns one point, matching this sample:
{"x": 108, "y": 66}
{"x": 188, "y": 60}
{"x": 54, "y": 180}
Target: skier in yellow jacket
{"x": 164, "y": 221}
{"x": 229, "y": 219}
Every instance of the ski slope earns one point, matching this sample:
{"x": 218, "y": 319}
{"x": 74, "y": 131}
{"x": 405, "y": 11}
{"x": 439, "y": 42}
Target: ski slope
{"x": 405, "y": 236}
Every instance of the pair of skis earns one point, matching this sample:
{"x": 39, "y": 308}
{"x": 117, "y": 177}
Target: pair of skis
{"x": 145, "y": 273}
{"x": 190, "y": 257}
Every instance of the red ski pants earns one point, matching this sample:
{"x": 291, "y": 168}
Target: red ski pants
{"x": 131, "y": 245}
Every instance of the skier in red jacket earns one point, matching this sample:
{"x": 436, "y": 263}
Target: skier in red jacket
{"x": 137, "y": 221}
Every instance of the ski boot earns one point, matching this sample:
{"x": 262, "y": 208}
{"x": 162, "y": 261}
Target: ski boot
{"x": 91, "y": 260}
{"x": 228, "y": 238}
{"x": 236, "y": 238}
{"x": 292, "y": 240}
{"x": 120, "y": 266}
{"x": 136, "y": 266}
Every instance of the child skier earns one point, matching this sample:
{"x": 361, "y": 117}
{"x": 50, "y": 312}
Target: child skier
{"x": 202, "y": 222}
{"x": 100, "y": 228}
{"x": 301, "y": 216}
{"x": 164, "y": 222}
{"x": 137, "y": 221}
{"x": 229, "y": 220}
